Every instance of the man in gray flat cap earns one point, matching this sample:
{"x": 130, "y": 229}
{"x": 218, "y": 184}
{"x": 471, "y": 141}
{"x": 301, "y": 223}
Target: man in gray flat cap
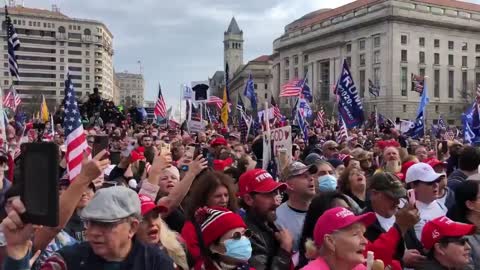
{"x": 112, "y": 218}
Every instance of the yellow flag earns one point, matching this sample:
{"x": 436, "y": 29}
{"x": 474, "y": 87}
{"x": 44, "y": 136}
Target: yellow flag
{"x": 44, "y": 115}
{"x": 224, "y": 114}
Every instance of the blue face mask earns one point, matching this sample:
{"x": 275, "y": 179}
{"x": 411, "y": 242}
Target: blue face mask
{"x": 240, "y": 249}
{"x": 327, "y": 183}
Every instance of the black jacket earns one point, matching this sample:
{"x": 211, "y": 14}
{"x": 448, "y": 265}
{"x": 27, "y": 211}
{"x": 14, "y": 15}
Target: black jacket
{"x": 141, "y": 257}
{"x": 375, "y": 230}
{"x": 266, "y": 253}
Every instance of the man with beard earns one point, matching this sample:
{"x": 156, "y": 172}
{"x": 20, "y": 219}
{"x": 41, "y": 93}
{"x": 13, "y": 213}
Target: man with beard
{"x": 272, "y": 246}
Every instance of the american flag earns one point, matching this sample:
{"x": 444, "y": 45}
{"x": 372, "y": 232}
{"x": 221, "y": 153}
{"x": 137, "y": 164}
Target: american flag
{"x": 242, "y": 121}
{"x": 478, "y": 94}
{"x": 292, "y": 88}
{"x": 418, "y": 83}
{"x": 160, "y": 107}
{"x": 342, "y": 134}
{"x": 276, "y": 111}
{"x": 13, "y": 45}
{"x": 217, "y": 102}
{"x": 320, "y": 120}
{"x": 12, "y": 99}
{"x": 373, "y": 89}
{"x": 75, "y": 137}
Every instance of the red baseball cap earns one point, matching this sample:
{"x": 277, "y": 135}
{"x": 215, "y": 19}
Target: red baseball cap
{"x": 434, "y": 162}
{"x": 220, "y": 165}
{"x": 147, "y": 205}
{"x": 219, "y": 141}
{"x": 338, "y": 218}
{"x": 440, "y": 227}
{"x": 258, "y": 180}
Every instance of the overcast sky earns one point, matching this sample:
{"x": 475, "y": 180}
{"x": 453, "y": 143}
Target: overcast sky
{"x": 181, "y": 41}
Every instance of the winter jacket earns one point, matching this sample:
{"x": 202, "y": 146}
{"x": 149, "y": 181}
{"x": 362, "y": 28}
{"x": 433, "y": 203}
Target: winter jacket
{"x": 267, "y": 253}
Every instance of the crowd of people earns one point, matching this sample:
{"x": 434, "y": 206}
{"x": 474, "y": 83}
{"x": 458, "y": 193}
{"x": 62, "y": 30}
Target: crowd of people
{"x": 204, "y": 202}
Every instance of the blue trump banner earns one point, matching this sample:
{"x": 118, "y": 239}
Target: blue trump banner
{"x": 349, "y": 103}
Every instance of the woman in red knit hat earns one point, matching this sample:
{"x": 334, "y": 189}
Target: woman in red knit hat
{"x": 224, "y": 240}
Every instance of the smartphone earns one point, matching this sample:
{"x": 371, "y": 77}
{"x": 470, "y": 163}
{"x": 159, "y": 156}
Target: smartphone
{"x": 411, "y": 196}
{"x": 39, "y": 183}
{"x": 165, "y": 148}
{"x": 115, "y": 157}
{"x": 100, "y": 142}
{"x": 190, "y": 151}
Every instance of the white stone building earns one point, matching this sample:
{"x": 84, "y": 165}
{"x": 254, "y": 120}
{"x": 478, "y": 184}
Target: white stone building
{"x": 132, "y": 88}
{"x": 386, "y": 41}
{"x": 50, "y": 42}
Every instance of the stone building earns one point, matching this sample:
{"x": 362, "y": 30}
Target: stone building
{"x": 386, "y": 41}
{"x": 50, "y": 42}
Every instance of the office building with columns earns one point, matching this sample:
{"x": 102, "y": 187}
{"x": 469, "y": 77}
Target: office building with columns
{"x": 50, "y": 42}
{"x": 385, "y": 41}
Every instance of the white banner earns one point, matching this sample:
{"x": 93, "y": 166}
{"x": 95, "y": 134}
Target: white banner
{"x": 270, "y": 114}
{"x": 195, "y": 126}
{"x": 282, "y": 139}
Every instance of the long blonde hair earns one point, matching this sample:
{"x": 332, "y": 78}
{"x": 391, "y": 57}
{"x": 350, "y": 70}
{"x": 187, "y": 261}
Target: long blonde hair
{"x": 169, "y": 240}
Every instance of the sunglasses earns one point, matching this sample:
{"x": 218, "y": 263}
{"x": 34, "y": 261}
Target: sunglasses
{"x": 237, "y": 235}
{"x": 455, "y": 240}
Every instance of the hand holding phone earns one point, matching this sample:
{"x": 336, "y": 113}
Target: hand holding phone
{"x": 39, "y": 183}
{"x": 411, "y": 197}
{"x": 165, "y": 148}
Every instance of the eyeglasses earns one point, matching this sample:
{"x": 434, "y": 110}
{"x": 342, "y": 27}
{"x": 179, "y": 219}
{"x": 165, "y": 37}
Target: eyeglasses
{"x": 332, "y": 148}
{"x": 455, "y": 240}
{"x": 237, "y": 235}
{"x": 105, "y": 226}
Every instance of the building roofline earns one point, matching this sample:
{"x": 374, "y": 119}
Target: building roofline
{"x": 20, "y": 11}
{"x": 358, "y": 4}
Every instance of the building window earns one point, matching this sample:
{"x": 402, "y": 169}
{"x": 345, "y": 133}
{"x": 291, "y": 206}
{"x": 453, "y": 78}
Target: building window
{"x": 477, "y": 61}
{"x": 436, "y": 108}
{"x": 362, "y": 59}
{"x": 287, "y": 62}
{"x": 348, "y": 47}
{"x": 62, "y": 51}
{"x": 450, "y": 45}
{"x": 87, "y": 77}
{"x": 376, "y": 42}
{"x": 254, "y": 87}
{"x": 421, "y": 42}
{"x": 450, "y": 83}
{"x": 450, "y": 59}
{"x": 421, "y": 72}
{"x": 87, "y": 53}
{"x": 362, "y": 83}
{"x": 87, "y": 85}
{"x": 305, "y": 70}
{"x": 287, "y": 75}
{"x": 403, "y": 39}
{"x": 62, "y": 60}
{"x": 464, "y": 61}
{"x": 295, "y": 73}
{"x": 295, "y": 59}
{"x": 436, "y": 43}
{"x": 421, "y": 57}
{"x": 436, "y": 59}
{"x": 404, "y": 108}
{"x": 404, "y": 81}
{"x": 464, "y": 83}
{"x": 62, "y": 67}
{"x": 376, "y": 57}
{"x": 477, "y": 48}
{"x": 87, "y": 61}
{"x": 349, "y": 61}
{"x": 305, "y": 58}
{"x": 464, "y": 46}
{"x": 266, "y": 87}
{"x": 404, "y": 56}
{"x": 5, "y": 82}
{"x": 376, "y": 76}
{"x": 361, "y": 44}
{"x": 436, "y": 83}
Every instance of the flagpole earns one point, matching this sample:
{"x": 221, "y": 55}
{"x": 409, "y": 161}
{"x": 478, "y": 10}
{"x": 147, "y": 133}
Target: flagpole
{"x": 181, "y": 98}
